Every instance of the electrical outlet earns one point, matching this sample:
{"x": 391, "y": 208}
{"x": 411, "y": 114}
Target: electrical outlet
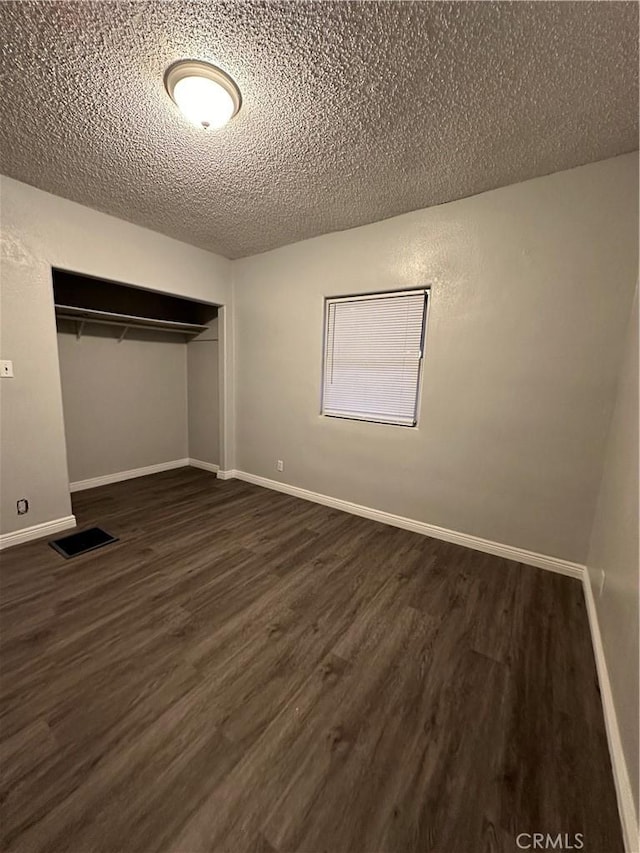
{"x": 602, "y": 580}
{"x": 280, "y": 465}
{"x": 6, "y": 369}
{"x": 22, "y": 506}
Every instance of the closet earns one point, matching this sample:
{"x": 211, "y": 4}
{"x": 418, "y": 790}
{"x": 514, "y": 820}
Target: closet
{"x": 139, "y": 372}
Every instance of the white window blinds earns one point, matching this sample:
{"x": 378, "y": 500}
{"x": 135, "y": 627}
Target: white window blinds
{"x": 373, "y": 352}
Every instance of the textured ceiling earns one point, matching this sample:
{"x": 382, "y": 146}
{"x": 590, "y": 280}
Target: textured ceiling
{"x": 352, "y": 112}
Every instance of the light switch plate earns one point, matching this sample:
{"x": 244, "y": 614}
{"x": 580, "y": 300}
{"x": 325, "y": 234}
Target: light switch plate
{"x": 6, "y": 369}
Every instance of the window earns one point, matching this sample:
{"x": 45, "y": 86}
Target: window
{"x": 372, "y": 356}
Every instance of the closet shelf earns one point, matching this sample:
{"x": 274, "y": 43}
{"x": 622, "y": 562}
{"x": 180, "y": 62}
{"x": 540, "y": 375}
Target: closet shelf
{"x": 127, "y": 321}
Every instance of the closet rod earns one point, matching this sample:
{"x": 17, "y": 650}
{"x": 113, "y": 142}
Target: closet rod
{"x": 129, "y": 321}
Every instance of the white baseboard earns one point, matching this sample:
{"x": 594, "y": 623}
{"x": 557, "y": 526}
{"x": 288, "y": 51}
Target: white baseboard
{"x": 626, "y": 805}
{"x": 47, "y": 528}
{"x": 206, "y": 466}
{"x": 94, "y": 482}
{"x": 227, "y": 475}
{"x": 531, "y": 558}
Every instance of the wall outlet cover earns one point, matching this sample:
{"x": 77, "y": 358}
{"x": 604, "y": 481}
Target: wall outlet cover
{"x": 6, "y": 369}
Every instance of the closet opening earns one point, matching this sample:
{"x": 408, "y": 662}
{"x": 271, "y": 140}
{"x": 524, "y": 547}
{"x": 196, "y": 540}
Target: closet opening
{"x": 141, "y": 380}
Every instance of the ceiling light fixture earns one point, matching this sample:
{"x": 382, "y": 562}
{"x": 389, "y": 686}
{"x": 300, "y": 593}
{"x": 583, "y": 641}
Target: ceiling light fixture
{"x": 204, "y": 94}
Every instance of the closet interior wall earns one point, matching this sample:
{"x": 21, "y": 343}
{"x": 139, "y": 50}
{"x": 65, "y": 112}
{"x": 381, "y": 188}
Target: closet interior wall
{"x": 203, "y": 396}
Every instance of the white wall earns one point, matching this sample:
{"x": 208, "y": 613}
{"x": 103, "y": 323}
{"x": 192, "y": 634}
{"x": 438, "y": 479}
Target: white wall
{"x": 124, "y": 403}
{"x": 39, "y": 231}
{"x": 614, "y": 549}
{"x": 531, "y": 289}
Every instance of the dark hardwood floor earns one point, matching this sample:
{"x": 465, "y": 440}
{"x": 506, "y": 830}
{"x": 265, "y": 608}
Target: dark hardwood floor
{"x": 246, "y": 671}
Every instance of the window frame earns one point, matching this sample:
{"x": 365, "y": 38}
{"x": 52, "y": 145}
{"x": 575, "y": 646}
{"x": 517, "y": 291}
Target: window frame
{"x": 359, "y": 297}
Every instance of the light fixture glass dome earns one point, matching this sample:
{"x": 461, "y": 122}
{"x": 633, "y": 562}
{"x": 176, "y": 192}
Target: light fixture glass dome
{"x": 205, "y": 95}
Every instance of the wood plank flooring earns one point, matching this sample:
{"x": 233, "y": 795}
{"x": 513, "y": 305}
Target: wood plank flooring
{"x": 246, "y": 671}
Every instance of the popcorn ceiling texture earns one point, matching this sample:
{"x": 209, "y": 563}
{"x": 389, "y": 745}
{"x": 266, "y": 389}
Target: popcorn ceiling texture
{"x": 352, "y": 112}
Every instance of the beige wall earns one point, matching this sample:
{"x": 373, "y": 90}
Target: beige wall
{"x": 203, "y": 396}
{"x": 614, "y": 550}
{"x": 531, "y": 286}
{"x": 39, "y": 231}
{"x": 125, "y": 404}
{"x": 531, "y": 290}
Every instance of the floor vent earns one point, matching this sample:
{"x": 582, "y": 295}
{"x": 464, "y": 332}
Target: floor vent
{"x": 80, "y": 543}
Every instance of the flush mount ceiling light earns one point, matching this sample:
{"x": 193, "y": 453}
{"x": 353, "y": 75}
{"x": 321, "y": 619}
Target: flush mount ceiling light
{"x": 203, "y": 93}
